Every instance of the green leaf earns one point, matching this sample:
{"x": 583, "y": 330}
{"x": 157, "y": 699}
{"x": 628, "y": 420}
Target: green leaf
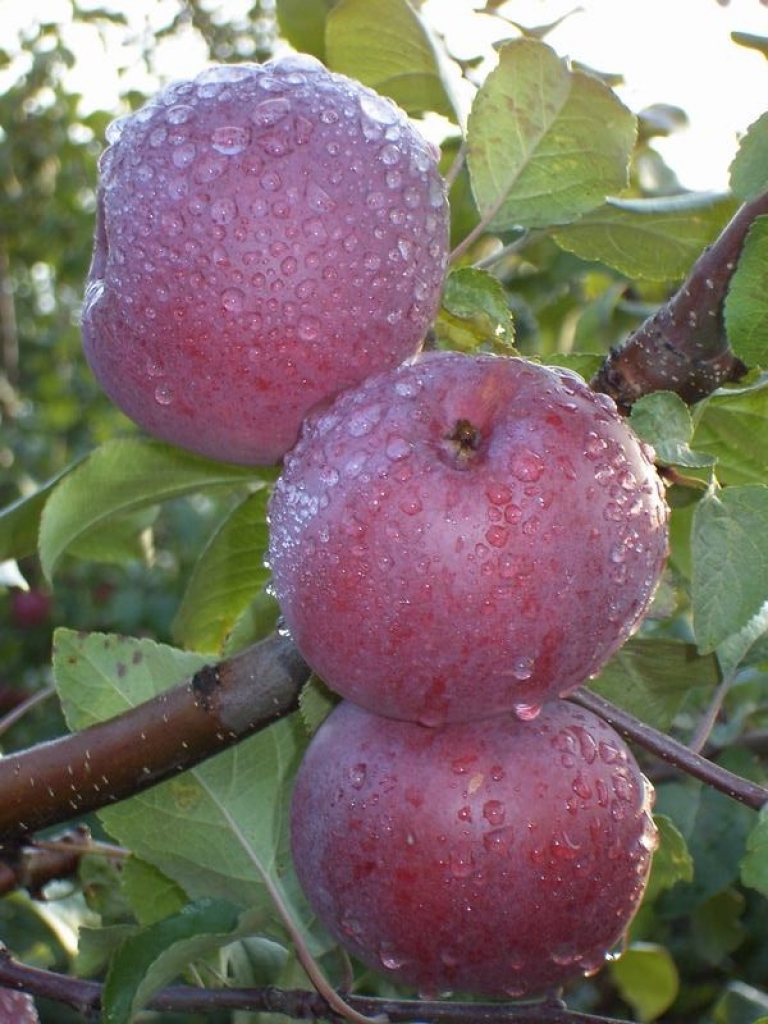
{"x": 754, "y": 865}
{"x": 544, "y": 143}
{"x": 302, "y": 24}
{"x": 119, "y": 539}
{"x": 206, "y": 828}
{"x": 151, "y": 895}
{"x": 732, "y": 425}
{"x": 664, "y": 421}
{"x": 20, "y": 521}
{"x": 672, "y": 861}
{"x": 730, "y": 562}
{"x": 651, "y": 677}
{"x": 735, "y": 650}
{"x": 100, "y": 675}
{"x": 746, "y": 304}
{"x": 228, "y": 574}
{"x": 475, "y": 311}
{"x": 95, "y": 946}
{"x": 749, "y": 169}
{"x": 397, "y": 57}
{"x": 718, "y": 929}
{"x": 647, "y": 978}
{"x": 120, "y": 478}
{"x": 151, "y": 958}
{"x": 741, "y": 1004}
{"x": 316, "y": 702}
{"x": 751, "y": 41}
{"x": 258, "y": 619}
{"x": 651, "y": 239}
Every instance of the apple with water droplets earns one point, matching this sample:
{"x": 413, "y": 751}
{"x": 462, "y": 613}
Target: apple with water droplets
{"x": 500, "y": 857}
{"x": 465, "y": 535}
{"x": 267, "y": 235}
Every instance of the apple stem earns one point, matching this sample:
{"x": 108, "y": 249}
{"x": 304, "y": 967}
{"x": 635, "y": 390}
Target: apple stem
{"x": 464, "y": 440}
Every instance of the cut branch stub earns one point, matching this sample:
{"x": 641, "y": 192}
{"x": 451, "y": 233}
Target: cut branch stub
{"x": 217, "y": 707}
{"x": 683, "y": 347}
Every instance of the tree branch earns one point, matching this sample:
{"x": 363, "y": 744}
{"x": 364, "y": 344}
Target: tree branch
{"x": 86, "y": 998}
{"x": 218, "y": 706}
{"x": 674, "y": 753}
{"x": 683, "y": 347}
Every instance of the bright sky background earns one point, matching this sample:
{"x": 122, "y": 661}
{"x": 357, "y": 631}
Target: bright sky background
{"x": 669, "y": 51}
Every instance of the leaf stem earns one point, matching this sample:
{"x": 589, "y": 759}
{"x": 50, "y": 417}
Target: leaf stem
{"x": 311, "y": 967}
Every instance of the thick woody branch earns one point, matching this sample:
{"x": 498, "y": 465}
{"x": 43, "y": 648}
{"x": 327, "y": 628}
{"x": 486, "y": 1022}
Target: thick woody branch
{"x": 218, "y": 706}
{"x": 683, "y": 347}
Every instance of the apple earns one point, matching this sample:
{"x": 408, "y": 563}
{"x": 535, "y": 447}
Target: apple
{"x": 499, "y": 857}
{"x": 465, "y": 535}
{"x": 267, "y": 235}
{"x": 30, "y": 609}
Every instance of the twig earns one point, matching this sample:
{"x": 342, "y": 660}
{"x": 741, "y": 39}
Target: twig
{"x": 698, "y": 741}
{"x": 22, "y": 708}
{"x": 663, "y": 746}
{"x": 86, "y": 996}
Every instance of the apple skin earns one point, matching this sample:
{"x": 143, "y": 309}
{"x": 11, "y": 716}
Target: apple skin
{"x": 267, "y": 235}
{"x": 434, "y": 581}
{"x": 499, "y": 857}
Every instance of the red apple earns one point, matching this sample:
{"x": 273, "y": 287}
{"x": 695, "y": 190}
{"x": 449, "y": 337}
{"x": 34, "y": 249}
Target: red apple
{"x": 267, "y": 235}
{"x": 30, "y": 608}
{"x": 498, "y": 857}
{"x": 464, "y": 535}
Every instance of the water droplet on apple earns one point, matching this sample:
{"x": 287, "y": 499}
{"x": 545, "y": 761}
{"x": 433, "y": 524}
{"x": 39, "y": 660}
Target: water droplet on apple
{"x": 522, "y": 669}
{"x": 223, "y": 210}
{"x": 357, "y": 774}
{"x": 179, "y": 113}
{"x": 163, "y": 394}
{"x": 497, "y": 536}
{"x": 209, "y": 168}
{"x": 526, "y": 465}
{"x": 183, "y": 155}
{"x": 499, "y": 840}
{"x": 397, "y": 448}
{"x": 308, "y": 328}
{"x": 318, "y": 199}
{"x": 269, "y": 112}
{"x": 232, "y": 299}
{"x": 411, "y": 506}
{"x": 608, "y": 752}
{"x": 581, "y": 787}
{"x": 378, "y": 109}
{"x": 362, "y": 421}
{"x": 527, "y": 712}
{"x": 390, "y": 958}
{"x": 461, "y": 861}
{"x": 494, "y": 812}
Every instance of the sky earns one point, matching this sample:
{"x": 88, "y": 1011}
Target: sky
{"x": 668, "y": 51}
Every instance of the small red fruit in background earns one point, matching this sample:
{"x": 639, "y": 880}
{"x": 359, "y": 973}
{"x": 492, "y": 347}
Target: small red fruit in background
{"x": 499, "y": 857}
{"x": 29, "y": 608}
{"x": 267, "y": 235}
{"x": 465, "y": 535}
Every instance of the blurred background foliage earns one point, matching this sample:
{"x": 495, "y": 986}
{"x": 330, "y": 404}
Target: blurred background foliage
{"x": 700, "y": 948}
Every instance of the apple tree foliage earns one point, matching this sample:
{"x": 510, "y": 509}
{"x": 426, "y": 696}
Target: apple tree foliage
{"x": 569, "y": 232}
